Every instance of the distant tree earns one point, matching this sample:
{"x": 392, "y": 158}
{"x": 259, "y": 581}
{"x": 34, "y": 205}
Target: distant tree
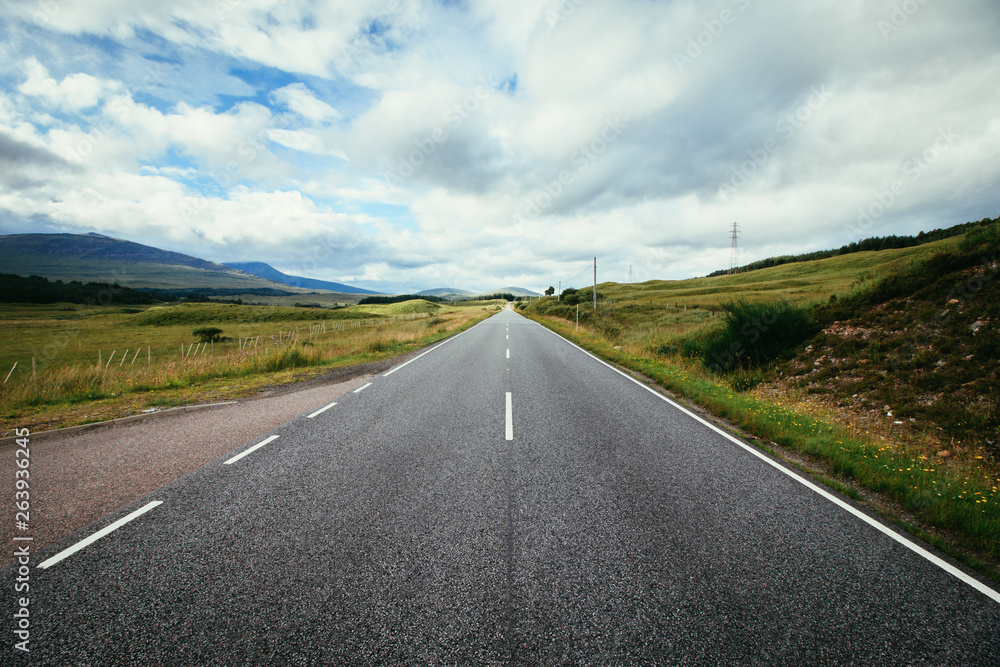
{"x": 550, "y": 291}
{"x": 570, "y": 297}
{"x": 398, "y": 298}
{"x": 208, "y": 334}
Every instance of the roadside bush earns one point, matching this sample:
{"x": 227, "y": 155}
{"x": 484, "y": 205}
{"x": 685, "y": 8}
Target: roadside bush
{"x": 691, "y": 348}
{"x": 666, "y": 349}
{"x": 745, "y": 380}
{"x": 609, "y": 328}
{"x": 755, "y": 333}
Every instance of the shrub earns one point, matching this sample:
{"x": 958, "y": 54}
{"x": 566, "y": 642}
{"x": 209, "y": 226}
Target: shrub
{"x": 755, "y": 333}
{"x": 745, "y": 380}
{"x": 666, "y": 349}
{"x": 208, "y": 334}
{"x": 691, "y": 348}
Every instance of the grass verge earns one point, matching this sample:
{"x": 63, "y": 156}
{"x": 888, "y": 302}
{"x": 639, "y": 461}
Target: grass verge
{"x": 956, "y": 503}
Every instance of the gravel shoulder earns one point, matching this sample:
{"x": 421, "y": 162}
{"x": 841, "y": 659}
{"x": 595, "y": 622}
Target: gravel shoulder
{"x": 81, "y": 476}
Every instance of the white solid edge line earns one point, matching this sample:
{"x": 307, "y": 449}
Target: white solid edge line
{"x": 98, "y": 535}
{"x": 912, "y": 546}
{"x": 249, "y": 450}
{"x": 321, "y": 410}
{"x": 393, "y": 370}
{"x": 362, "y": 388}
{"x": 510, "y": 418}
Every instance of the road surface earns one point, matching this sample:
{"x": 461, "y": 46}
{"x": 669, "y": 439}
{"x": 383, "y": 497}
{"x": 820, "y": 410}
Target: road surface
{"x": 504, "y": 498}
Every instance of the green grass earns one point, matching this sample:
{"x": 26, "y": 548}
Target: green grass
{"x": 402, "y": 308}
{"x": 804, "y": 283}
{"x": 210, "y": 313}
{"x": 666, "y": 330}
{"x": 148, "y": 356}
{"x": 964, "y": 500}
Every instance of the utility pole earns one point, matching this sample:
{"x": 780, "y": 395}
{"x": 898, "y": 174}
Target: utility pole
{"x": 629, "y": 274}
{"x": 559, "y": 295}
{"x": 595, "y": 283}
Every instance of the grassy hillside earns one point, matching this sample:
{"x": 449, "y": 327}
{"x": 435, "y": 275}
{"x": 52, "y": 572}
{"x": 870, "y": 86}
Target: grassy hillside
{"x": 401, "y": 308}
{"x": 889, "y": 385}
{"x": 804, "y": 283}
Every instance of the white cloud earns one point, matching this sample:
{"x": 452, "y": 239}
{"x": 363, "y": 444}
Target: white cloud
{"x": 73, "y": 93}
{"x": 302, "y": 101}
{"x": 302, "y": 111}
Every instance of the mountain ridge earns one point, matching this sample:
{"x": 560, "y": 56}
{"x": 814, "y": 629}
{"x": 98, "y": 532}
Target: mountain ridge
{"x": 98, "y": 258}
{"x": 265, "y": 270}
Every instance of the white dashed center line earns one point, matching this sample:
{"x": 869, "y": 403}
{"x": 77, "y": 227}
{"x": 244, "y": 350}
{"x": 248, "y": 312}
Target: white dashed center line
{"x": 510, "y": 419}
{"x": 362, "y": 388}
{"x": 99, "y": 534}
{"x": 249, "y": 450}
{"x": 321, "y": 410}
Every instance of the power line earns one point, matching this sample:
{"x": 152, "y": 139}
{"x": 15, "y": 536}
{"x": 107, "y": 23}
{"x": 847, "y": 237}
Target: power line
{"x": 586, "y": 270}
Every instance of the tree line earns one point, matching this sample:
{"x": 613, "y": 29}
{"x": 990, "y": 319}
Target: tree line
{"x": 36, "y": 289}
{"x": 398, "y": 298}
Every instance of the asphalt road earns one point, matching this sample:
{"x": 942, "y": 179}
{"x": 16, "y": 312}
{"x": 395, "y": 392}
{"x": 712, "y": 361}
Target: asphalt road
{"x": 504, "y": 498}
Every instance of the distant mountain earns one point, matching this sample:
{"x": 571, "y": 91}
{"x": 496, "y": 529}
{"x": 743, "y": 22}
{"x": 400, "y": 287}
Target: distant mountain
{"x": 516, "y": 291}
{"x": 446, "y": 292}
{"x": 267, "y": 271}
{"x": 98, "y": 258}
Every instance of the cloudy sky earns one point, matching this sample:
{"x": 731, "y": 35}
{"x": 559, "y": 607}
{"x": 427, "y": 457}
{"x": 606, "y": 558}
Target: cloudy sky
{"x": 408, "y": 144}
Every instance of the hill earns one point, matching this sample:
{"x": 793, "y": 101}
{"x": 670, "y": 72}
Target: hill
{"x": 447, "y": 293}
{"x": 873, "y": 243}
{"x": 886, "y": 384}
{"x": 516, "y": 291}
{"x": 102, "y": 259}
{"x": 263, "y": 270}
{"x": 399, "y": 308}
